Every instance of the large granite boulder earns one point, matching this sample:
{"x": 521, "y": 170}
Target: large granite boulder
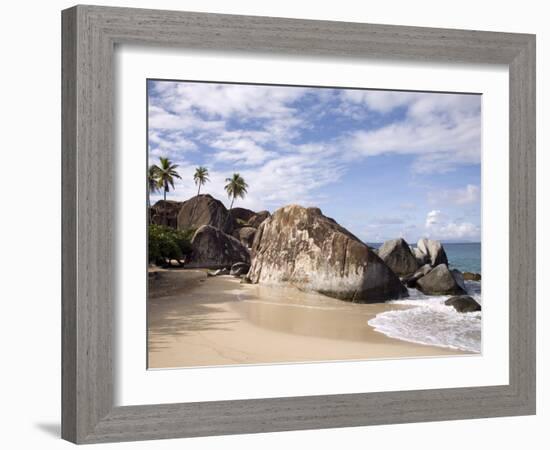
{"x": 204, "y": 210}
{"x": 397, "y": 255}
{"x": 302, "y": 247}
{"x": 411, "y": 280}
{"x": 421, "y": 258}
{"x": 463, "y": 303}
{"x": 439, "y": 281}
{"x": 213, "y": 249}
{"x": 433, "y": 250}
{"x": 257, "y": 219}
{"x": 241, "y": 215}
{"x": 245, "y": 235}
{"x": 459, "y": 278}
{"x": 165, "y": 212}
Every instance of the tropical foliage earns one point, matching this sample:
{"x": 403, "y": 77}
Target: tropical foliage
{"x": 166, "y": 173}
{"x": 165, "y": 243}
{"x": 200, "y": 177}
{"x": 236, "y": 187}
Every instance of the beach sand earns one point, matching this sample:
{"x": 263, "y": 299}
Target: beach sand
{"x": 195, "y": 320}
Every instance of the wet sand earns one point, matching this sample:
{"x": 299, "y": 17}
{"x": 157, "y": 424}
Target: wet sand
{"x": 195, "y": 320}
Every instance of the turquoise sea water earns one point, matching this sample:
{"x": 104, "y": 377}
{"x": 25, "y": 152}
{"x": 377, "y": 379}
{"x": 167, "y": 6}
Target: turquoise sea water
{"x": 464, "y": 257}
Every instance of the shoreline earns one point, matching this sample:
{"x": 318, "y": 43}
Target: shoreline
{"x": 197, "y": 321}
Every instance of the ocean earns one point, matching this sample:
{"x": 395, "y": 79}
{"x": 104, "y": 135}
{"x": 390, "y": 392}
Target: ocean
{"x": 430, "y": 321}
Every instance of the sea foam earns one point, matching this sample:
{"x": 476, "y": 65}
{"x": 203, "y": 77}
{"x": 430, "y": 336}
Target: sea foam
{"x": 431, "y": 322}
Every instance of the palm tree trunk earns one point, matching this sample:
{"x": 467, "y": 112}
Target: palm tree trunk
{"x": 164, "y": 221}
{"x": 228, "y": 214}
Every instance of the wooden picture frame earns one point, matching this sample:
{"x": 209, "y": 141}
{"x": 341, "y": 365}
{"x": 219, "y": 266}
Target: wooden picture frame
{"x": 90, "y": 34}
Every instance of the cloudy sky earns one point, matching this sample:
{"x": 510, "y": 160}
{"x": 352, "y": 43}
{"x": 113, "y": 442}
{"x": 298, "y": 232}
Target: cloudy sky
{"x": 384, "y": 164}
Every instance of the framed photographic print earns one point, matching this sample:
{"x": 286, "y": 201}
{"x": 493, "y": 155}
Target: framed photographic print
{"x": 278, "y": 224}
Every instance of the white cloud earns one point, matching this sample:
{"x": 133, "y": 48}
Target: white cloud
{"x": 465, "y": 196}
{"x": 379, "y": 101}
{"x": 439, "y": 227}
{"x": 441, "y": 130}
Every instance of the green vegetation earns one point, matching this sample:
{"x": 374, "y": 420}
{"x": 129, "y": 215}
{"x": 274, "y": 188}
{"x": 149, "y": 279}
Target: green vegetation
{"x": 200, "y": 177}
{"x": 236, "y": 187}
{"x": 166, "y": 172}
{"x": 166, "y": 243}
{"x": 152, "y": 182}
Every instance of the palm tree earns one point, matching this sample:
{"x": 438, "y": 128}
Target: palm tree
{"x": 152, "y": 186}
{"x": 166, "y": 174}
{"x": 152, "y": 182}
{"x": 200, "y": 177}
{"x": 235, "y": 187}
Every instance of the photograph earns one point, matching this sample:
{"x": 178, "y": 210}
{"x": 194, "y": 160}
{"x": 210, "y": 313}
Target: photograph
{"x": 301, "y": 224}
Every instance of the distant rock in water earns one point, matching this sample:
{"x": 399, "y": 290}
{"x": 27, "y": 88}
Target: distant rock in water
{"x": 463, "y": 303}
{"x": 213, "y": 249}
{"x": 204, "y": 210}
{"x": 257, "y": 219}
{"x": 470, "y": 276}
{"x": 439, "y": 281}
{"x": 312, "y": 252}
{"x": 165, "y": 212}
{"x": 398, "y": 256}
{"x": 433, "y": 250}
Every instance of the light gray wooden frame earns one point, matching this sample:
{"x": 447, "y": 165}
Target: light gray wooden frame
{"x": 89, "y": 36}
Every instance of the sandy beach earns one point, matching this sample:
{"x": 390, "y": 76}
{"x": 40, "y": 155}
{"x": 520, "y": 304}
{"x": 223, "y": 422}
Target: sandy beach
{"x": 195, "y": 320}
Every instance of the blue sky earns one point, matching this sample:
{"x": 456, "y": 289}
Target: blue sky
{"x": 383, "y": 164}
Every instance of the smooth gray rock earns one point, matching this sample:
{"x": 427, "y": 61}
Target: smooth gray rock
{"x": 245, "y": 235}
{"x": 239, "y": 269}
{"x": 301, "y": 246}
{"x": 257, "y": 219}
{"x": 213, "y": 249}
{"x": 439, "y": 281}
{"x": 241, "y": 215}
{"x": 421, "y": 258}
{"x": 459, "y": 278}
{"x": 165, "y": 212}
{"x": 463, "y": 303}
{"x": 397, "y": 255}
{"x": 204, "y": 210}
{"x": 434, "y": 250}
{"x": 412, "y": 279}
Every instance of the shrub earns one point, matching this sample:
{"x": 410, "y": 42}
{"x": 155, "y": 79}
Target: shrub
{"x": 165, "y": 243}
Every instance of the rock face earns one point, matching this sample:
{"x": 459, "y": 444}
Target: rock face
{"x": 397, "y": 255}
{"x": 241, "y": 215}
{"x": 459, "y": 278}
{"x": 439, "y": 281}
{"x": 245, "y": 235}
{"x": 312, "y": 252}
{"x": 239, "y": 269}
{"x": 412, "y": 279}
{"x": 421, "y": 258}
{"x": 165, "y": 212}
{"x": 463, "y": 303}
{"x": 213, "y": 249}
{"x": 257, "y": 219}
{"x": 433, "y": 250}
{"x": 204, "y": 210}
{"x": 472, "y": 276}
